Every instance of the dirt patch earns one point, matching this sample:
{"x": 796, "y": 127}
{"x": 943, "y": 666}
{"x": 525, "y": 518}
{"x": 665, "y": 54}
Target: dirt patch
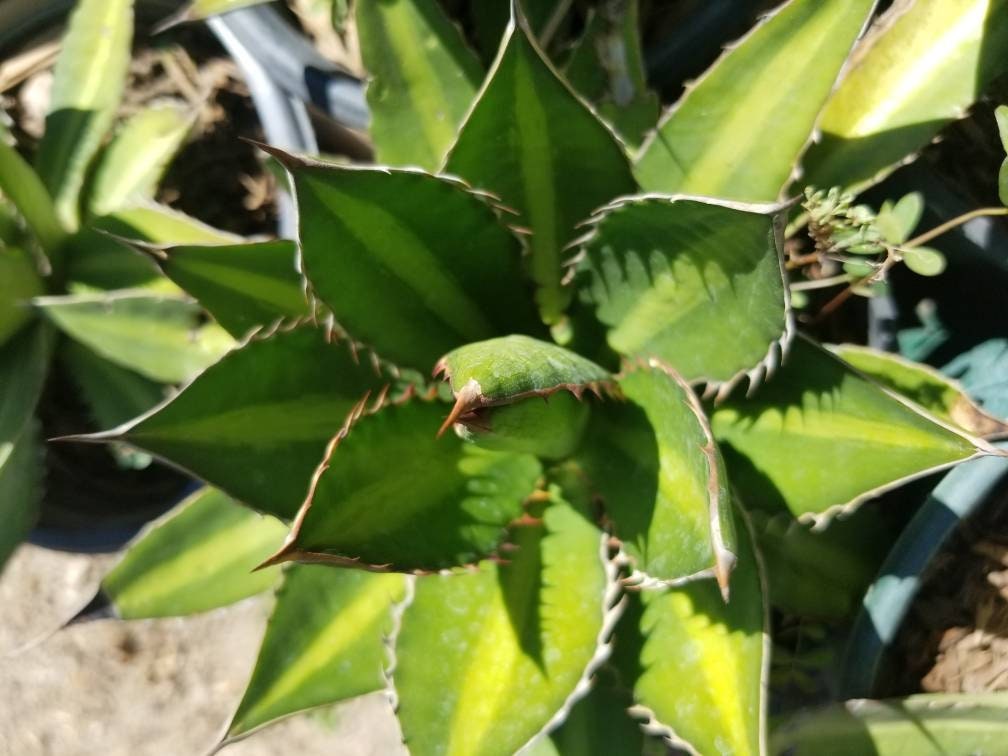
{"x": 146, "y": 688}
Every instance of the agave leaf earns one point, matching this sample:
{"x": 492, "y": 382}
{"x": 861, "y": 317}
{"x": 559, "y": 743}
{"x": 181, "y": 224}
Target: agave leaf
{"x": 132, "y": 165}
{"x": 19, "y": 282}
{"x": 938, "y": 723}
{"x": 717, "y": 653}
{"x": 159, "y": 337}
{"x": 811, "y": 441}
{"x": 423, "y": 77}
{"x": 22, "y": 473}
{"x": 410, "y": 263}
{"x": 490, "y": 19}
{"x": 20, "y": 184}
{"x": 662, "y": 480}
{"x": 510, "y": 368}
{"x": 325, "y": 642}
{"x": 96, "y": 261}
{"x": 938, "y": 394}
{"x": 822, "y": 574}
{"x": 738, "y": 131}
{"x": 88, "y": 83}
{"x": 607, "y": 68}
{"x": 198, "y": 10}
{"x": 928, "y": 61}
{"x": 24, "y": 366}
{"x": 599, "y": 725}
{"x": 695, "y": 282}
{"x": 159, "y": 224}
{"x": 531, "y": 141}
{"x": 256, "y": 423}
{"x": 198, "y": 558}
{"x": 390, "y": 496}
{"x": 536, "y": 624}
{"x": 241, "y": 285}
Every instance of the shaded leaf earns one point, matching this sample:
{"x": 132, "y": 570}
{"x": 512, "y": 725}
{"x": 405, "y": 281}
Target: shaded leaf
{"x": 506, "y": 369}
{"x": 940, "y": 723}
{"x": 325, "y": 642}
{"x": 88, "y": 83}
{"x": 133, "y": 163}
{"x": 389, "y": 495}
{"x": 19, "y": 282}
{"x": 536, "y": 145}
{"x": 158, "y": 337}
{"x": 20, "y": 184}
{"x": 662, "y": 480}
{"x": 423, "y": 77}
{"x": 738, "y": 131}
{"x": 98, "y": 262}
{"x": 410, "y": 263}
{"x": 695, "y": 282}
{"x": 198, "y": 558}
{"x": 607, "y": 68}
{"x": 22, "y": 473}
{"x": 24, "y": 366}
{"x": 810, "y": 442}
{"x": 536, "y": 624}
{"x": 923, "y": 385}
{"x": 257, "y": 423}
{"x": 925, "y": 64}
{"x": 716, "y": 653}
{"x": 241, "y": 285}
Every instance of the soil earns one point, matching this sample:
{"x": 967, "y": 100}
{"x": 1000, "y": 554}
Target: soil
{"x": 145, "y": 688}
{"x": 955, "y": 638}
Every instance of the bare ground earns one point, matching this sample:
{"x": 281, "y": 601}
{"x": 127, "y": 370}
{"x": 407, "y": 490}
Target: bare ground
{"x": 163, "y": 687}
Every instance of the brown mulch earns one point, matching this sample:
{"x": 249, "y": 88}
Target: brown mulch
{"x": 955, "y": 638}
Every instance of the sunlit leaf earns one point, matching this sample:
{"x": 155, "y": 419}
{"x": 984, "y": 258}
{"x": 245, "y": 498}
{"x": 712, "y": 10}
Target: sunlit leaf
{"x": 20, "y": 184}
{"x": 198, "y": 558}
{"x": 423, "y": 77}
{"x": 738, "y": 131}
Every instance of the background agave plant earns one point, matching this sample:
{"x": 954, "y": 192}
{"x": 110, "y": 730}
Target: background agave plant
{"x": 544, "y": 566}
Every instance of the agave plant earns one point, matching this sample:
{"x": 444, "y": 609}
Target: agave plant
{"x": 72, "y": 297}
{"x": 560, "y": 540}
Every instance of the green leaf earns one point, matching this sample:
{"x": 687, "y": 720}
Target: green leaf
{"x": 695, "y": 282}
{"x": 607, "y": 68}
{"x": 932, "y": 724}
{"x": 159, "y": 337}
{"x": 925, "y": 261}
{"x": 423, "y": 77}
{"x": 390, "y": 496}
{"x": 923, "y": 385}
{"x": 198, "y": 558}
{"x": 326, "y": 642}
{"x": 531, "y": 141}
{"x": 490, "y": 19}
{"x": 98, "y": 262}
{"x": 822, "y": 574}
{"x": 897, "y": 222}
{"x": 507, "y": 647}
{"x": 257, "y": 423}
{"x": 242, "y": 285}
{"x": 410, "y": 263}
{"x": 87, "y": 86}
{"x": 1001, "y": 116}
{"x": 158, "y": 224}
{"x": 24, "y": 367}
{"x": 21, "y": 479}
{"x": 925, "y": 65}
{"x": 738, "y": 132}
{"x": 198, "y": 10}
{"x": 511, "y": 368}
{"x": 132, "y": 165}
{"x": 662, "y": 480}
{"x": 19, "y": 282}
{"x": 20, "y": 184}
{"x": 1003, "y": 183}
{"x": 812, "y": 440}
{"x": 703, "y": 663}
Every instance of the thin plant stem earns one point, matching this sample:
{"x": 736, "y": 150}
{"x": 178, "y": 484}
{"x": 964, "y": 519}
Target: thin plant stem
{"x": 954, "y": 223}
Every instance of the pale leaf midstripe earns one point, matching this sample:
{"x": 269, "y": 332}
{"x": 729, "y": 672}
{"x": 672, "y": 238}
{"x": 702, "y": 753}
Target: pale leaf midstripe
{"x": 230, "y": 279}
